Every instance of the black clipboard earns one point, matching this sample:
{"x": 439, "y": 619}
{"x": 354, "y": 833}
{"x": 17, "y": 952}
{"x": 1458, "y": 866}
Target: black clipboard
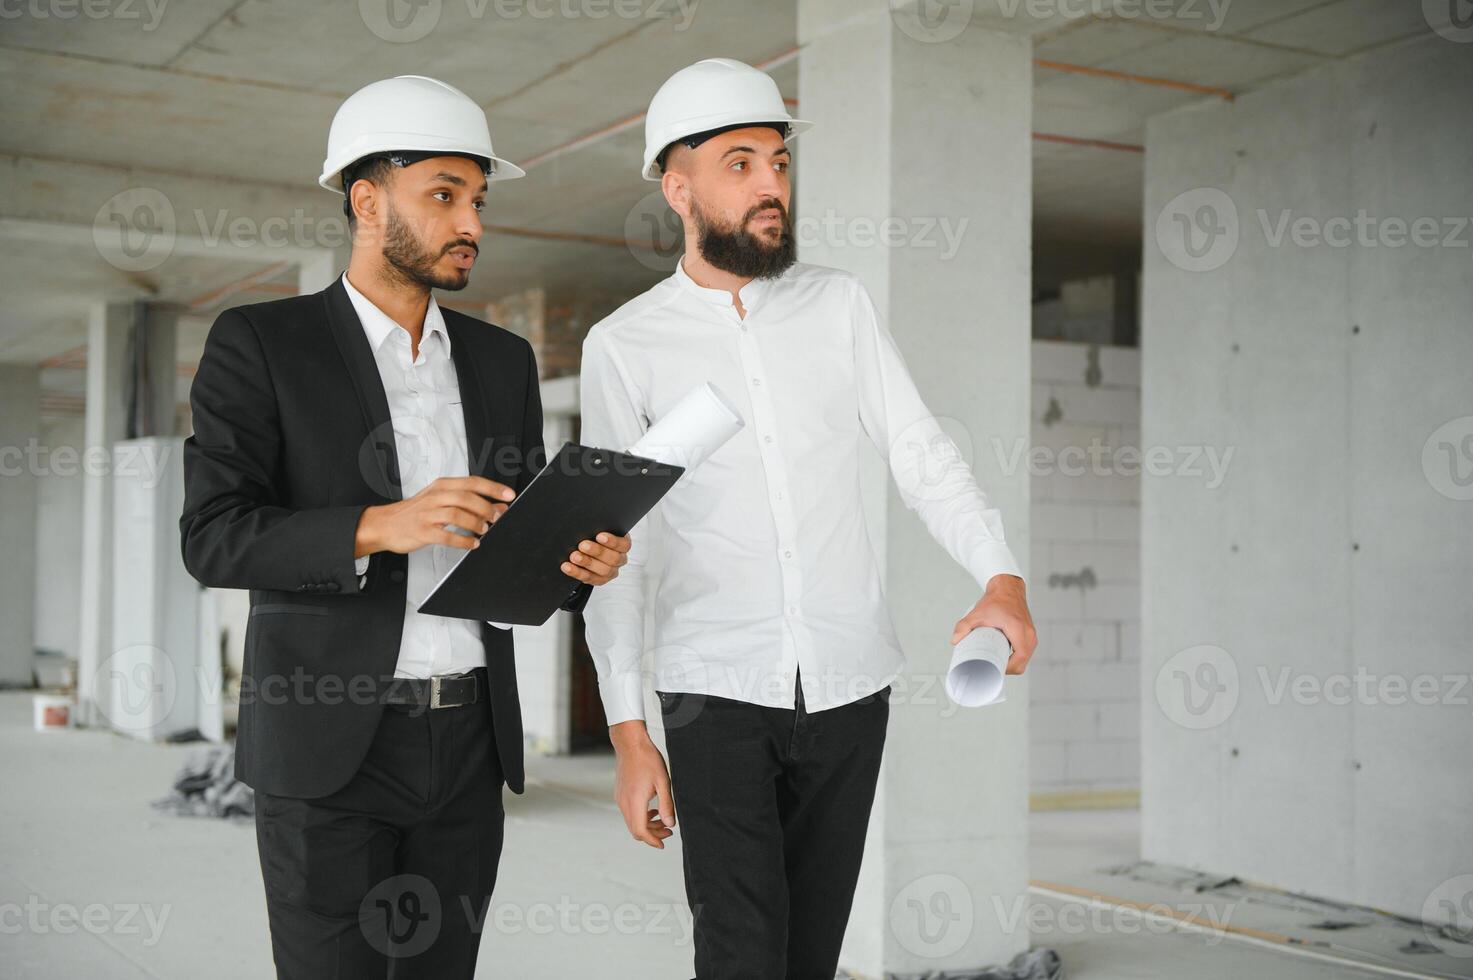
{"x": 516, "y": 576}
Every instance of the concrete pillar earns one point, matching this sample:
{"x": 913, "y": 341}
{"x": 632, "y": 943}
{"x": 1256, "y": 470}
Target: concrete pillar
{"x": 917, "y": 177}
{"x": 20, "y": 469}
{"x": 109, "y": 328}
{"x": 131, "y": 370}
{"x": 153, "y": 370}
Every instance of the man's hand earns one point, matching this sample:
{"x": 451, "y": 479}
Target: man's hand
{"x": 598, "y": 562}
{"x": 470, "y": 502}
{"x": 1003, "y": 607}
{"x": 640, "y": 776}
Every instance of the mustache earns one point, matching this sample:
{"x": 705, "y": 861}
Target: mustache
{"x": 771, "y": 204}
{"x": 463, "y": 243}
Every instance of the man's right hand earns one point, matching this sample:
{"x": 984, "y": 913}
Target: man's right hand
{"x": 640, "y": 775}
{"x": 470, "y": 502}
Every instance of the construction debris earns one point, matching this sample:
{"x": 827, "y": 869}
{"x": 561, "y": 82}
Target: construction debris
{"x": 206, "y": 787}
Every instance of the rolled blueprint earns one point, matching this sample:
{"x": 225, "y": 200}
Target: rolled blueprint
{"x": 978, "y": 663}
{"x": 691, "y": 431}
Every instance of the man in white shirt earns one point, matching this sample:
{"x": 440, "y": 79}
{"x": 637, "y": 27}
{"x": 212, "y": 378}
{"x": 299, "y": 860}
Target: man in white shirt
{"x": 772, "y": 646}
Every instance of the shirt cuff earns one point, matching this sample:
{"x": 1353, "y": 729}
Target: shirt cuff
{"x": 993, "y": 558}
{"x": 623, "y": 697}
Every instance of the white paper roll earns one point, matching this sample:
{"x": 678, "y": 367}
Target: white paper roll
{"x": 978, "y": 663}
{"x": 690, "y": 432}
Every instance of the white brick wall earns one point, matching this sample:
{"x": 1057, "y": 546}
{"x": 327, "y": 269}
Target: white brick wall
{"x": 1085, "y": 677}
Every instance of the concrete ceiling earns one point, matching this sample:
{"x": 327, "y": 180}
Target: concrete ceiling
{"x": 222, "y": 107}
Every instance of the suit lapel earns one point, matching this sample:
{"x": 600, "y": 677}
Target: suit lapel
{"x": 479, "y": 441}
{"x": 378, "y": 457}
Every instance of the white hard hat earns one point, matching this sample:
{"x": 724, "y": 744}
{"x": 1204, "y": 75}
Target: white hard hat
{"x": 711, "y": 94}
{"x": 412, "y": 113}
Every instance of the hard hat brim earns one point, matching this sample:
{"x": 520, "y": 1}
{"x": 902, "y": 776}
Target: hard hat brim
{"x": 332, "y": 173}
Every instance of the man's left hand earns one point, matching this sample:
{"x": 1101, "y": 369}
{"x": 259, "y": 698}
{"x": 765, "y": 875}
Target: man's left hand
{"x": 598, "y": 562}
{"x": 1005, "y": 607}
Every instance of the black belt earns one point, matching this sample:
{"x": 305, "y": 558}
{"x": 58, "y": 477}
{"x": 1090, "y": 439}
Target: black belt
{"x": 441, "y": 691}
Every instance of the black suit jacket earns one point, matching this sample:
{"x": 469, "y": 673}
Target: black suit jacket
{"x": 292, "y": 440}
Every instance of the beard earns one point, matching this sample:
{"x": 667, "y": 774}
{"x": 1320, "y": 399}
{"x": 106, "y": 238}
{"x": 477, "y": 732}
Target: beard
{"x": 731, "y": 248}
{"x": 414, "y": 264}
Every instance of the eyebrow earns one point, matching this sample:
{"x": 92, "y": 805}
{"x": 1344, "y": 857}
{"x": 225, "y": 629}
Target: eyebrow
{"x": 747, "y": 149}
{"x": 456, "y": 179}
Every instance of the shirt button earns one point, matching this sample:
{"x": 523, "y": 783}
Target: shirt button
{"x": 787, "y": 554}
{"x": 767, "y": 438}
{"x": 756, "y": 382}
{"x": 792, "y": 610}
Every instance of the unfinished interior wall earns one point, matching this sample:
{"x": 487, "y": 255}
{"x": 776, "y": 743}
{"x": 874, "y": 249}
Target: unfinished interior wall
{"x": 1308, "y": 301}
{"x": 1084, "y": 591}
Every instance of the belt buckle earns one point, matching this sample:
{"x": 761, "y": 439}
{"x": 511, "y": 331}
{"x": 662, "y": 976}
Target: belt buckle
{"x": 435, "y": 692}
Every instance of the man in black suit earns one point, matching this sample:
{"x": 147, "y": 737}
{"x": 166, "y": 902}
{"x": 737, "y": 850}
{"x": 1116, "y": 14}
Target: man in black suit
{"x": 347, "y": 447}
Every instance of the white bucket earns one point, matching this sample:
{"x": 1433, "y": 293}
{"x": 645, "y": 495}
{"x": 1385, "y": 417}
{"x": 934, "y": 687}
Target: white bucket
{"x": 52, "y": 712}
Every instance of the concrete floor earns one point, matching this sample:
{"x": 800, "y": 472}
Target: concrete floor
{"x": 162, "y": 896}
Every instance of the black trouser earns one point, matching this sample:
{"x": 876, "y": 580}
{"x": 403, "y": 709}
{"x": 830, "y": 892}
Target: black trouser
{"x": 772, "y": 806}
{"x": 391, "y": 875}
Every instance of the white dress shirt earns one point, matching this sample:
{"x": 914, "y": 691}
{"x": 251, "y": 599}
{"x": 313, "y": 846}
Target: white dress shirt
{"x": 429, "y": 439}
{"x": 767, "y": 562}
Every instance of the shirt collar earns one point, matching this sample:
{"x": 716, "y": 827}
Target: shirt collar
{"x": 750, "y": 294}
{"x": 379, "y": 326}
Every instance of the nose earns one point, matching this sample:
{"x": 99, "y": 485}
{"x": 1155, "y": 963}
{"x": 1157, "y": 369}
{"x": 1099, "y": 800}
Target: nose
{"x": 771, "y": 183}
{"x": 468, "y": 223}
